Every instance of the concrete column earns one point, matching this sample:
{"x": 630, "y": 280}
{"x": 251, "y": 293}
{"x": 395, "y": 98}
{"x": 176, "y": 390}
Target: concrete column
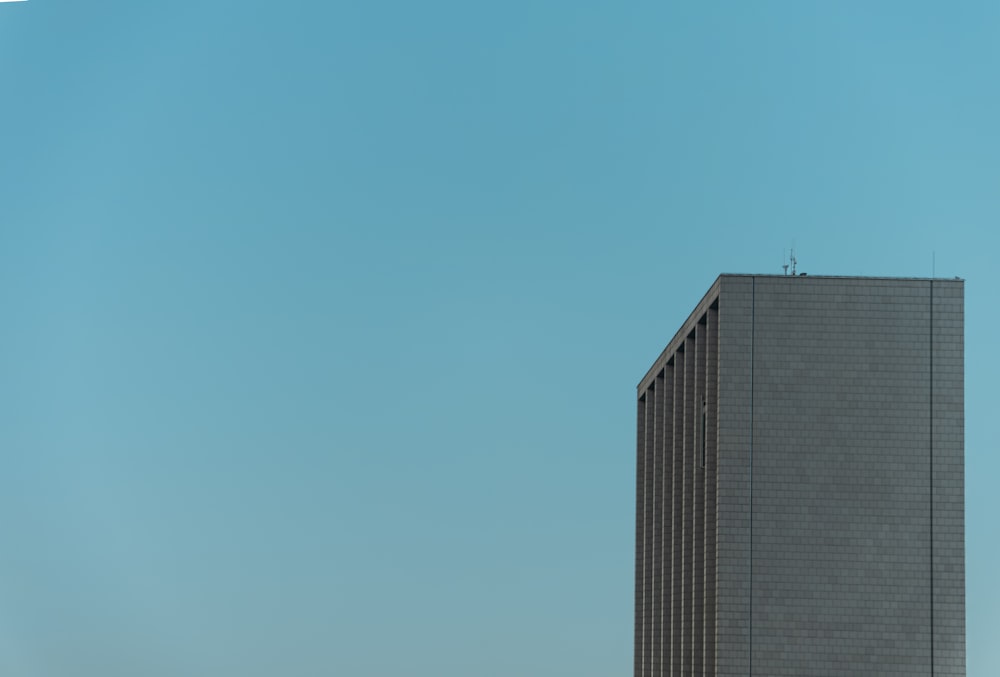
{"x": 711, "y": 460}
{"x": 677, "y": 518}
{"x": 640, "y": 524}
{"x": 656, "y": 563}
{"x": 665, "y": 524}
{"x": 648, "y": 550}
{"x": 688, "y": 508}
{"x": 698, "y": 508}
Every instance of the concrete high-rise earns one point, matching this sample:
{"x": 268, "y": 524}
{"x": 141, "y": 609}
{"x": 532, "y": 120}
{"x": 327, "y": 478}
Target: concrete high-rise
{"x": 800, "y": 482}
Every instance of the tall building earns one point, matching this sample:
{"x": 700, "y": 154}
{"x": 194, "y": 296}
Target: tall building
{"x": 800, "y": 482}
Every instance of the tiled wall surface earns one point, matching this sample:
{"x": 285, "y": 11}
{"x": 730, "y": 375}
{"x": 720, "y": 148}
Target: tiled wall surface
{"x": 735, "y": 361}
{"x": 824, "y": 532}
{"x": 948, "y": 498}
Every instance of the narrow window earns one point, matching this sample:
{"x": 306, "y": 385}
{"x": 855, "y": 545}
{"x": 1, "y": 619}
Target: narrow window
{"x": 704, "y": 429}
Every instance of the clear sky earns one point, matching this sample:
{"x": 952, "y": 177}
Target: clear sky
{"x": 321, "y": 321}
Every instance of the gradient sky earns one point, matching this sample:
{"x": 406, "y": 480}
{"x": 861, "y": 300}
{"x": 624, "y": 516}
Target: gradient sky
{"x": 322, "y": 321}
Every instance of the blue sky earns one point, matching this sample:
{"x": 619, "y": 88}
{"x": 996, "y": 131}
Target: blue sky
{"x": 322, "y": 321}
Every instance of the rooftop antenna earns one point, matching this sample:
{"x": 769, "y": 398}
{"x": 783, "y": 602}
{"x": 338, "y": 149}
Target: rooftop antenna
{"x": 784, "y": 262}
{"x": 792, "y": 257}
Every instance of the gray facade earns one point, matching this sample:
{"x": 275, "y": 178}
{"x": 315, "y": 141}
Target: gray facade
{"x": 800, "y": 482}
